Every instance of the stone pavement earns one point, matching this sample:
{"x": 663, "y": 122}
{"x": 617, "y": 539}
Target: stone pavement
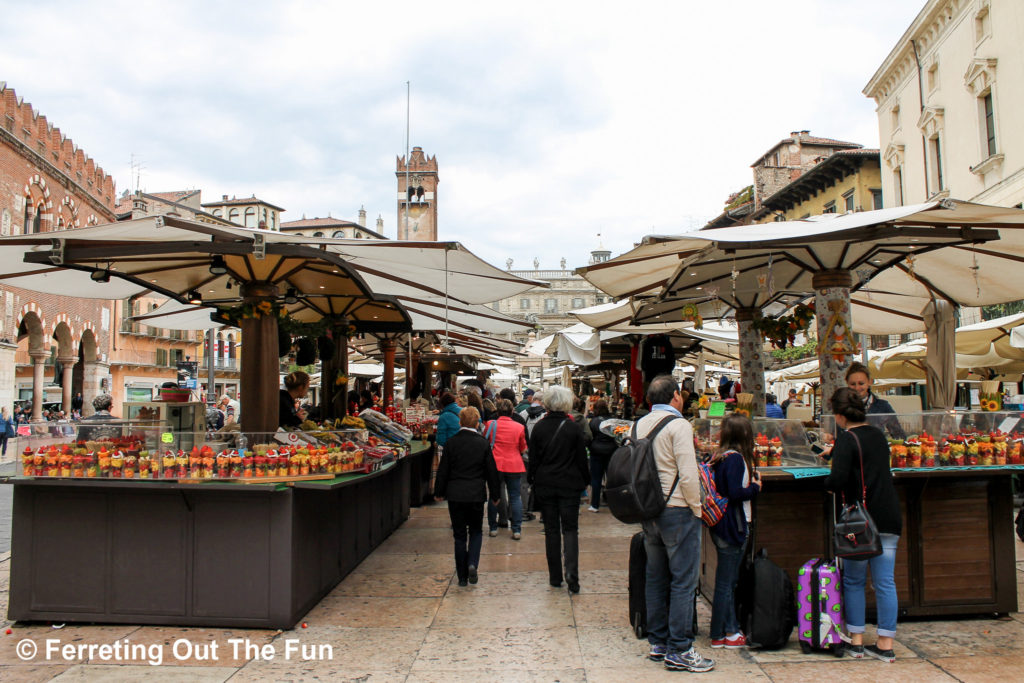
{"x": 400, "y": 617}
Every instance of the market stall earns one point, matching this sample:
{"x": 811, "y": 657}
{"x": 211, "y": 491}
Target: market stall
{"x": 125, "y": 528}
{"x": 953, "y": 476}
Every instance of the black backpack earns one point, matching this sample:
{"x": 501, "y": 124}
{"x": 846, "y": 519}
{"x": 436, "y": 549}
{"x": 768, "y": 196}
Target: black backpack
{"x": 632, "y": 485}
{"x": 765, "y": 606}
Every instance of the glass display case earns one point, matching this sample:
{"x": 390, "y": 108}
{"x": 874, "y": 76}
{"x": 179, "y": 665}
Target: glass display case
{"x": 945, "y": 438}
{"x": 186, "y": 422}
{"x": 777, "y": 443}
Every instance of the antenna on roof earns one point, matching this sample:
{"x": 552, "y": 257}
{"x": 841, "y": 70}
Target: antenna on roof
{"x": 136, "y": 171}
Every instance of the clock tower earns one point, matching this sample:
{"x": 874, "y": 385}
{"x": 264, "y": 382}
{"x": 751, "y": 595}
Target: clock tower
{"x": 417, "y": 200}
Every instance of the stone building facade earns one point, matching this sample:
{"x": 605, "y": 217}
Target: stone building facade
{"x": 949, "y": 105}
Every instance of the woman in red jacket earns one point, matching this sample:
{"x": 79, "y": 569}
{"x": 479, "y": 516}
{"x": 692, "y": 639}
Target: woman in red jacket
{"x": 508, "y": 441}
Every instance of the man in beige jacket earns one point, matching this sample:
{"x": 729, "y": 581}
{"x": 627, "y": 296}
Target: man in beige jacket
{"x": 672, "y": 539}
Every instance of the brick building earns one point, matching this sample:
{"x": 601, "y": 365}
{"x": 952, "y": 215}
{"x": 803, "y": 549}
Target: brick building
{"x": 48, "y": 183}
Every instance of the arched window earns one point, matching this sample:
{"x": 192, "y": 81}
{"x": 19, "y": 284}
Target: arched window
{"x": 233, "y": 215}
{"x": 264, "y": 216}
{"x": 37, "y": 220}
{"x": 218, "y": 213}
{"x": 250, "y": 217}
{"x": 273, "y": 220}
{"x": 231, "y": 346}
{"x": 318, "y": 234}
{"x": 339, "y": 233}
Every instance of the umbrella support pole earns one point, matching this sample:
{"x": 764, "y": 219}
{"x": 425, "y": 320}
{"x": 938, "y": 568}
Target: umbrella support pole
{"x": 388, "y": 390}
{"x": 260, "y": 363}
{"x": 836, "y": 342}
{"x": 751, "y": 358}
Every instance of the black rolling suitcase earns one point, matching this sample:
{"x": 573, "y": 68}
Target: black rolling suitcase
{"x": 638, "y": 588}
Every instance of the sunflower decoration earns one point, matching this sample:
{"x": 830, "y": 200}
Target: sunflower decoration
{"x": 340, "y": 380}
{"x": 990, "y": 402}
{"x": 691, "y": 313}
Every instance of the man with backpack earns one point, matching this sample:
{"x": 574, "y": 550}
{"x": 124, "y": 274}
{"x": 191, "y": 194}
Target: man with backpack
{"x": 672, "y": 539}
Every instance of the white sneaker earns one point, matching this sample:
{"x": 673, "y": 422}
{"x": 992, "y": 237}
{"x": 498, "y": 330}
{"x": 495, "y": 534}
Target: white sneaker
{"x": 592, "y": 509}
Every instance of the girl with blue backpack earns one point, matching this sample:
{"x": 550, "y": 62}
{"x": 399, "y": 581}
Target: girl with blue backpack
{"x": 738, "y": 482}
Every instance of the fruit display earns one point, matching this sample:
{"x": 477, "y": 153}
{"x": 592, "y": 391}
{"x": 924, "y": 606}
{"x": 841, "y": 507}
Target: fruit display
{"x": 384, "y": 427}
{"x": 967, "y": 448}
{"x": 131, "y": 460}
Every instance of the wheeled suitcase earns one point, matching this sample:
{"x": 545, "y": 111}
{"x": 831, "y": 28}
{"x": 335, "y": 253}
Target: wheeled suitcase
{"x": 820, "y": 607}
{"x": 638, "y": 588}
{"x": 638, "y": 585}
{"x": 764, "y": 602}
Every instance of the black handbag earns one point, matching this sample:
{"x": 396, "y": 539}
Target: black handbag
{"x": 855, "y": 536}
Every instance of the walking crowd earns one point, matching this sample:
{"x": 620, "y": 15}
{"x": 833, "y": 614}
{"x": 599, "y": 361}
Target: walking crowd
{"x": 548, "y": 455}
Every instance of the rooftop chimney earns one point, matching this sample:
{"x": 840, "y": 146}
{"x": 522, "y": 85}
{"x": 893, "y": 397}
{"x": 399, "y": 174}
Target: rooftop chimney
{"x": 224, "y": 197}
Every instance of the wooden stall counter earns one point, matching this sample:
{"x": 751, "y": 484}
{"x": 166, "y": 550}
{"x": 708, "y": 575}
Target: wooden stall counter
{"x": 210, "y": 554}
{"x": 956, "y": 553}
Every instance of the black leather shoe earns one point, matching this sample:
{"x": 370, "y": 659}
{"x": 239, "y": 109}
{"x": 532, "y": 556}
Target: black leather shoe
{"x": 555, "y": 584}
{"x": 574, "y": 586}
{"x": 473, "y": 577}
{"x": 463, "y": 583}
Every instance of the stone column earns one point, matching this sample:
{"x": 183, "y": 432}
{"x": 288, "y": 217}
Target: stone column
{"x": 38, "y": 379}
{"x": 67, "y": 365}
{"x": 836, "y": 342}
{"x": 751, "y": 358}
{"x": 92, "y": 385}
{"x": 8, "y": 376}
{"x": 388, "y": 389}
{"x": 260, "y": 398}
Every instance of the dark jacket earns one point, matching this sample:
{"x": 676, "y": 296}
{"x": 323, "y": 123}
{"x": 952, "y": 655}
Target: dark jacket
{"x": 467, "y": 469}
{"x": 880, "y": 407}
{"x": 602, "y": 445}
{"x": 286, "y": 416}
{"x": 558, "y": 461}
{"x": 882, "y": 501}
{"x": 518, "y": 418}
{"x": 533, "y": 416}
{"x": 729, "y": 471}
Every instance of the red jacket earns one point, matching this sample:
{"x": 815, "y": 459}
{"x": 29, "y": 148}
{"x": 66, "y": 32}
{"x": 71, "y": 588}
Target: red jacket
{"x": 509, "y": 444}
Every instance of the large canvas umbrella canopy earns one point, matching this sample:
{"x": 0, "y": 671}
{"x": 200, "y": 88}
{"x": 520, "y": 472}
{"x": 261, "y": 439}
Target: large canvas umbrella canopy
{"x": 253, "y": 272}
{"x": 770, "y": 267}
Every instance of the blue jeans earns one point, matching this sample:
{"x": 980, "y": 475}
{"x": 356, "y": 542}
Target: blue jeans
{"x": 855, "y": 574}
{"x": 598, "y": 465}
{"x": 512, "y": 484}
{"x": 672, "y": 541}
{"x": 723, "y": 608}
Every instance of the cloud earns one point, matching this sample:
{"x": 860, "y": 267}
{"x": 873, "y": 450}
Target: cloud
{"x": 552, "y": 122}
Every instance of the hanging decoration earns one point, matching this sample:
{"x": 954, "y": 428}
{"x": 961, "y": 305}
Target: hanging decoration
{"x": 713, "y": 292}
{"x": 837, "y": 341}
{"x": 691, "y": 313}
{"x": 250, "y": 310}
{"x": 781, "y": 331}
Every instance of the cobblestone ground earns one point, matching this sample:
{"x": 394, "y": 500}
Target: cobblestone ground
{"x": 401, "y": 617}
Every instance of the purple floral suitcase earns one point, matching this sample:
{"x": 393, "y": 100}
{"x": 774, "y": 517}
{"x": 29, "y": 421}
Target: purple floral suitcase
{"x": 820, "y": 607}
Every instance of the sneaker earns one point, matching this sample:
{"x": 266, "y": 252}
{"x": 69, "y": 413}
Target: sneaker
{"x": 492, "y": 533}
{"x": 855, "y": 651}
{"x": 592, "y": 509}
{"x": 691, "y": 660}
{"x": 657, "y": 653}
{"x": 879, "y": 654}
{"x": 717, "y": 643}
{"x": 736, "y": 641}
{"x": 472, "y": 574}
{"x": 516, "y": 535}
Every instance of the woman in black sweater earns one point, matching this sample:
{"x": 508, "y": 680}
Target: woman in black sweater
{"x": 855, "y": 443}
{"x": 558, "y": 472}
{"x": 466, "y": 471}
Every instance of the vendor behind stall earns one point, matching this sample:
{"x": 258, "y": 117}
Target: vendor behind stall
{"x": 296, "y": 385}
{"x": 92, "y": 428}
{"x": 880, "y": 413}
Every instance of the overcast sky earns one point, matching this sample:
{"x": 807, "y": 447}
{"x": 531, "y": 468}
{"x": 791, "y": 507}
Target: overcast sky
{"x": 552, "y": 122}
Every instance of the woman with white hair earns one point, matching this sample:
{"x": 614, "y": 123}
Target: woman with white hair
{"x": 558, "y": 472}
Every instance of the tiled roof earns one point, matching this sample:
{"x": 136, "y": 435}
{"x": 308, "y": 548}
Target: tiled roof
{"x": 811, "y": 175}
{"x": 808, "y": 140}
{"x": 177, "y": 196}
{"x": 239, "y": 202}
{"x": 318, "y": 223}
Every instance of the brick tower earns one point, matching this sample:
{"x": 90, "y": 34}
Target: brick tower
{"x": 417, "y": 201}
